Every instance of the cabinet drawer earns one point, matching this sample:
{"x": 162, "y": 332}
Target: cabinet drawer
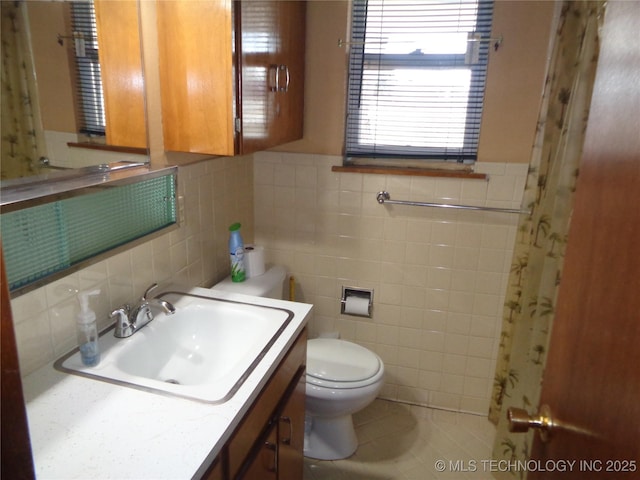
{"x": 258, "y": 416}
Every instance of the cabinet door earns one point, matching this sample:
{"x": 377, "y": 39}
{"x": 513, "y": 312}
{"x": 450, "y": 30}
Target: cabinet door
{"x": 265, "y": 465}
{"x": 262, "y": 412}
{"x": 122, "y": 77}
{"x": 270, "y": 89}
{"x": 258, "y": 53}
{"x": 290, "y": 98}
{"x": 291, "y": 434}
{"x": 196, "y": 75}
{"x": 216, "y": 472}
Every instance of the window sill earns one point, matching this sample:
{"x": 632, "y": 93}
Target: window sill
{"x": 418, "y": 172}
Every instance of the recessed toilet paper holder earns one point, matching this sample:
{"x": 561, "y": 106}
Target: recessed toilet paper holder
{"x": 357, "y": 294}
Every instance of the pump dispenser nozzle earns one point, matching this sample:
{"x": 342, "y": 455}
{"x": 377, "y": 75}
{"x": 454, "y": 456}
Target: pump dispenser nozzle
{"x": 86, "y": 315}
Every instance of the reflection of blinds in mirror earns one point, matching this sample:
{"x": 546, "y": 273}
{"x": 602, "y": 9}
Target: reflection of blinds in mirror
{"x": 259, "y": 25}
{"x": 260, "y": 47}
{"x": 87, "y": 65}
{"x": 46, "y": 239}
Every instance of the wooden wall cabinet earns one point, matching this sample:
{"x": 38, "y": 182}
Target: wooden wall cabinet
{"x": 231, "y": 74}
{"x": 122, "y": 72}
{"x": 268, "y": 444}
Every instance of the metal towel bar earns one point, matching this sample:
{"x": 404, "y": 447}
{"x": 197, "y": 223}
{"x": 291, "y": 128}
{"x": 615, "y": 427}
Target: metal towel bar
{"x": 384, "y": 197}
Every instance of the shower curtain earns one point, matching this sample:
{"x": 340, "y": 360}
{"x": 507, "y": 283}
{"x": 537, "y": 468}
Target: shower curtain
{"x": 21, "y": 128}
{"x": 536, "y": 269}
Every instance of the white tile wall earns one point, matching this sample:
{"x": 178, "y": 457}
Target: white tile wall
{"x": 213, "y": 194}
{"x": 438, "y": 276}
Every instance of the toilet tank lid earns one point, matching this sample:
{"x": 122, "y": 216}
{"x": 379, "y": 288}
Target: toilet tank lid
{"x": 340, "y": 361}
{"x": 258, "y": 286}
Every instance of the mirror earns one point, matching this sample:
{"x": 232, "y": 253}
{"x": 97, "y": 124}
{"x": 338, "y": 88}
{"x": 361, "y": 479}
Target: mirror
{"x": 40, "y": 119}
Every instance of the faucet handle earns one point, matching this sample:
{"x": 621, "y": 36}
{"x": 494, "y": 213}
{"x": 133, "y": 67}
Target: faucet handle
{"x": 146, "y": 293}
{"x": 123, "y": 327}
{"x": 121, "y": 311}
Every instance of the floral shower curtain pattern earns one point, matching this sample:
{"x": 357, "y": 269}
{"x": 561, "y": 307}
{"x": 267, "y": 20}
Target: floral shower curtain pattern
{"x": 21, "y": 130}
{"x": 539, "y": 251}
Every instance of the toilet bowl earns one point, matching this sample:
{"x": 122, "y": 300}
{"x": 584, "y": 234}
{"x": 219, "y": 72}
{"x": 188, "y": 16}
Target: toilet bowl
{"x": 341, "y": 379}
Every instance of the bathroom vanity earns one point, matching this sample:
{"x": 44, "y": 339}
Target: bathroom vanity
{"x": 84, "y": 428}
{"x": 269, "y": 441}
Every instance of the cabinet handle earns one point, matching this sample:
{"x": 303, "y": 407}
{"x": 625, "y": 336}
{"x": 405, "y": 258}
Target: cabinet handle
{"x": 273, "y": 78}
{"x": 286, "y": 88}
{"x": 285, "y": 69}
{"x": 287, "y": 440}
{"x": 274, "y": 448}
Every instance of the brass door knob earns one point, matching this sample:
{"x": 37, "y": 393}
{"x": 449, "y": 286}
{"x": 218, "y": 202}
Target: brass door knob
{"x": 520, "y": 421}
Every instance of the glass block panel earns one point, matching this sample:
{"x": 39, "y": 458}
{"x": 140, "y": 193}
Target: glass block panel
{"x": 46, "y": 239}
{"x": 33, "y": 244}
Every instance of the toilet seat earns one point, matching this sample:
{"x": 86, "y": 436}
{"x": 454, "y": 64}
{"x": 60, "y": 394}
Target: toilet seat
{"x": 339, "y": 364}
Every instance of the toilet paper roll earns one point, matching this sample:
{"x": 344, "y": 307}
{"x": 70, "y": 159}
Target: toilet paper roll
{"x": 355, "y": 305}
{"x": 253, "y": 260}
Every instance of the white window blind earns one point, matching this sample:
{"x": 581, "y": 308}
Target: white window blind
{"x": 417, "y": 74}
{"x": 88, "y": 79}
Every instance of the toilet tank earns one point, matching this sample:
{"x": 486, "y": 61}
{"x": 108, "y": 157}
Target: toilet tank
{"x": 269, "y": 285}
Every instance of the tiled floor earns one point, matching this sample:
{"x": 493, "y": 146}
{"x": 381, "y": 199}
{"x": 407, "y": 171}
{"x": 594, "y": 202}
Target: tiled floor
{"x": 403, "y": 442}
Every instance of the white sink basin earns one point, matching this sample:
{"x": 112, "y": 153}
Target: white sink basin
{"x": 204, "y": 351}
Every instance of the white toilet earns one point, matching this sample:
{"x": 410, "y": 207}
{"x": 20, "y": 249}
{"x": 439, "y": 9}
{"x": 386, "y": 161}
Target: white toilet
{"x": 342, "y": 378}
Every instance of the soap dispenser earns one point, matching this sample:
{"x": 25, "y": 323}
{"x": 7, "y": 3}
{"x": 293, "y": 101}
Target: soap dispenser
{"x": 87, "y": 331}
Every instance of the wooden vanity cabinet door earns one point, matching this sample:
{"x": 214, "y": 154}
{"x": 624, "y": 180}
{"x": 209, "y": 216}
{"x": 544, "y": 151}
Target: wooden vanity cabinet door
{"x": 280, "y": 454}
{"x": 265, "y": 465}
{"x": 122, "y": 73}
{"x": 216, "y": 472}
{"x": 291, "y": 434}
{"x": 261, "y": 413}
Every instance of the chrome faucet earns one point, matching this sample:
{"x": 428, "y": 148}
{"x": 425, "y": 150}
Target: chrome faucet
{"x": 130, "y": 320}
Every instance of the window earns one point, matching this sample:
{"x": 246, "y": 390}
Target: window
{"x": 88, "y": 80}
{"x": 417, "y": 74}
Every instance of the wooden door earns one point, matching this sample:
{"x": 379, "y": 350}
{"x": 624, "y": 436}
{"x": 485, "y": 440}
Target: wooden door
{"x": 592, "y": 379}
